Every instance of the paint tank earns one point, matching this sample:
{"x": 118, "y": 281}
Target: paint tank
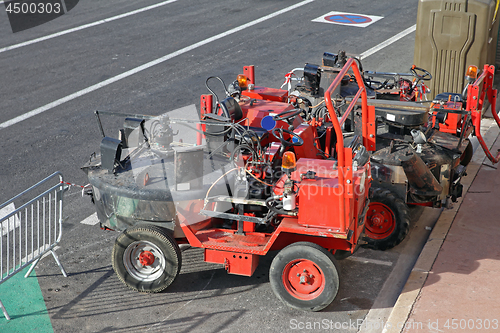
{"x": 452, "y": 35}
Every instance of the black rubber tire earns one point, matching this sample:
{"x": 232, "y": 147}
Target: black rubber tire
{"x": 313, "y": 255}
{"x": 467, "y": 155}
{"x": 167, "y": 256}
{"x": 400, "y": 217}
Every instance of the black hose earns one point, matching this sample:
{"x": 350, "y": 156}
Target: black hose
{"x": 223, "y": 85}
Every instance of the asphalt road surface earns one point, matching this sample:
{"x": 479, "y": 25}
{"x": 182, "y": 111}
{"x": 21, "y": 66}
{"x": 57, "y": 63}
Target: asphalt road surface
{"x": 156, "y": 59}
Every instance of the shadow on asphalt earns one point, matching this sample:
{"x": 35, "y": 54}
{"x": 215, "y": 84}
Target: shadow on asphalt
{"x": 198, "y": 281}
{"x": 184, "y": 324}
{"x": 107, "y": 295}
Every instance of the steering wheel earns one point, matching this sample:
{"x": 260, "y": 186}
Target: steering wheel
{"x": 288, "y": 114}
{"x": 278, "y": 134}
{"x": 425, "y": 75}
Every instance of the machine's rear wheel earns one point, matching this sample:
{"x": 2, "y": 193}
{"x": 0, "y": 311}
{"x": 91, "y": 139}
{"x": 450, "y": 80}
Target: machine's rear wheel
{"x": 304, "y": 276}
{"x": 387, "y": 220}
{"x": 146, "y": 258}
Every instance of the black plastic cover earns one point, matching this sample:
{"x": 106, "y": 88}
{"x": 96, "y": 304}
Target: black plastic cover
{"x": 312, "y": 78}
{"x": 231, "y": 108}
{"x": 111, "y": 151}
{"x": 330, "y": 59}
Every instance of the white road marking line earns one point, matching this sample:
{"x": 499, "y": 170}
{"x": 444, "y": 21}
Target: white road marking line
{"x": 85, "y": 26}
{"x": 371, "y": 261}
{"x": 12, "y": 222}
{"x": 388, "y": 42}
{"x": 91, "y": 220}
{"x": 146, "y": 66}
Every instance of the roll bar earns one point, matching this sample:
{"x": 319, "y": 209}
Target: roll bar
{"x": 368, "y": 112}
{"x": 344, "y": 155}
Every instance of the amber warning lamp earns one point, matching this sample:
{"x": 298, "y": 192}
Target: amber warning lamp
{"x": 471, "y": 73}
{"x": 242, "y": 81}
{"x": 289, "y": 163}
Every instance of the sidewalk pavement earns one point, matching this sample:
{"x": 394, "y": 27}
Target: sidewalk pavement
{"x": 455, "y": 284}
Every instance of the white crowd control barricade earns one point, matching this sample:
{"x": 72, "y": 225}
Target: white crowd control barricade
{"x": 32, "y": 229}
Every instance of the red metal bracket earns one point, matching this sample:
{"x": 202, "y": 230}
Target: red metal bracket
{"x": 475, "y": 102}
{"x": 249, "y": 72}
{"x": 234, "y": 262}
{"x": 206, "y": 106}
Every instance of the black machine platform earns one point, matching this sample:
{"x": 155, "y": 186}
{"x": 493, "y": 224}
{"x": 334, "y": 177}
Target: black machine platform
{"x": 400, "y": 112}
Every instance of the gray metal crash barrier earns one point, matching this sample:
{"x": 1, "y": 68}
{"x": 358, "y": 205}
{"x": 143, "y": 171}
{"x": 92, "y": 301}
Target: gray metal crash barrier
{"x": 31, "y": 230}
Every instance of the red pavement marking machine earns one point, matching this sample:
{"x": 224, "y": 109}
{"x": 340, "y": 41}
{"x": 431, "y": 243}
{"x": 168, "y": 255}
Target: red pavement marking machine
{"x": 267, "y": 181}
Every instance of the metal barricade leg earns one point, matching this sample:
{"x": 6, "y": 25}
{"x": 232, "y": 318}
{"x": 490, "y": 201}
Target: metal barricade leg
{"x": 4, "y": 311}
{"x": 59, "y": 263}
{"x": 56, "y": 258}
{"x": 32, "y": 267}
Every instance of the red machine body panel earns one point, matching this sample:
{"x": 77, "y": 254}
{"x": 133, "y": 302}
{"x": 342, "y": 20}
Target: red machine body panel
{"x": 256, "y": 109}
{"x": 319, "y": 204}
{"x": 319, "y": 198}
{"x": 270, "y": 94}
{"x": 309, "y": 135}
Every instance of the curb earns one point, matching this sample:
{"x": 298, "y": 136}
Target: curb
{"x": 412, "y": 289}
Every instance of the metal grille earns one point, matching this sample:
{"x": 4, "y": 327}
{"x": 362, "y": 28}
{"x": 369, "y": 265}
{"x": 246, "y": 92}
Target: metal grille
{"x": 31, "y": 230}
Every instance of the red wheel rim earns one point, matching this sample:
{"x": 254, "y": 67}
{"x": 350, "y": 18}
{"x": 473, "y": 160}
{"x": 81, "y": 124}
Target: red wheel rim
{"x": 380, "y": 221}
{"x": 303, "y": 279}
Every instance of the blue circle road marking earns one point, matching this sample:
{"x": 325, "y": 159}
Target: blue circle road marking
{"x": 348, "y": 19}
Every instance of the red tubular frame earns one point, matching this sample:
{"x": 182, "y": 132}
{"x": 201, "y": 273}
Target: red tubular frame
{"x": 475, "y": 101}
{"x": 344, "y": 155}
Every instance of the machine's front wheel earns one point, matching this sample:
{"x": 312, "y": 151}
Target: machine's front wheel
{"x": 387, "y": 220}
{"x": 304, "y": 276}
{"x": 146, "y": 258}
